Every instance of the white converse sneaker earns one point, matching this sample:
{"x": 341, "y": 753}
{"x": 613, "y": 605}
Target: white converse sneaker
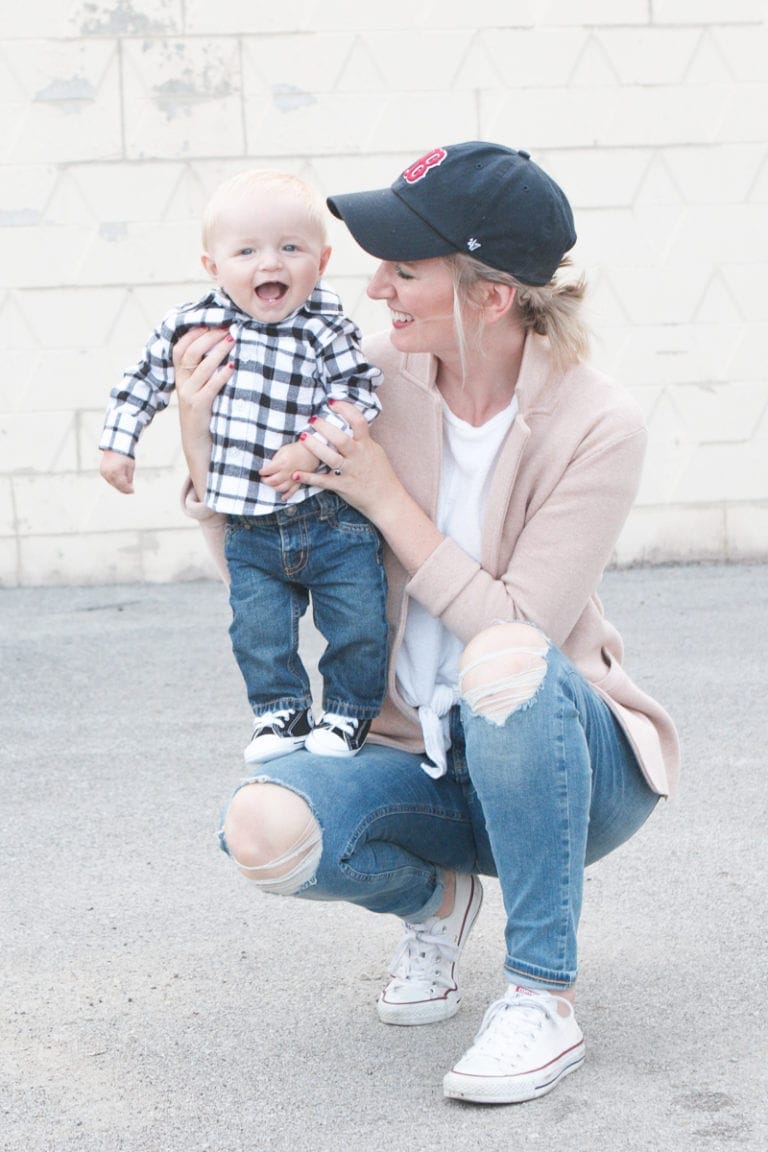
{"x": 424, "y": 986}
{"x": 278, "y": 733}
{"x": 336, "y": 735}
{"x": 523, "y": 1049}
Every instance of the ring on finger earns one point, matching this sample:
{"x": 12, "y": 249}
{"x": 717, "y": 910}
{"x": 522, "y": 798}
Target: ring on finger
{"x": 338, "y": 471}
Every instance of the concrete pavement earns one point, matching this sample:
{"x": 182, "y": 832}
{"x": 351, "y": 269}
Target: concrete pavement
{"x": 151, "y": 1000}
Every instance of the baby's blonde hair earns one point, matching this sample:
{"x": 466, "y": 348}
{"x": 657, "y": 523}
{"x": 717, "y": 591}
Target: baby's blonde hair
{"x": 241, "y": 185}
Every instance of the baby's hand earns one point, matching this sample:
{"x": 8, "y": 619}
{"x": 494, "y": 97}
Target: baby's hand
{"x": 118, "y": 470}
{"x": 278, "y": 472}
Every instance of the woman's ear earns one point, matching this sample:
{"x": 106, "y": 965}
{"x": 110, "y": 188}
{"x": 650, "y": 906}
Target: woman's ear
{"x": 497, "y": 300}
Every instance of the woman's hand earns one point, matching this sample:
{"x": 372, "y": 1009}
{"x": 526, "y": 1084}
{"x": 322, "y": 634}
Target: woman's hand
{"x": 360, "y": 471}
{"x": 202, "y": 370}
{"x": 359, "y": 468}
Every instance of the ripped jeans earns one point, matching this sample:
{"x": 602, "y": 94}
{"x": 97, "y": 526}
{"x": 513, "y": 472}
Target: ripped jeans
{"x": 531, "y": 795}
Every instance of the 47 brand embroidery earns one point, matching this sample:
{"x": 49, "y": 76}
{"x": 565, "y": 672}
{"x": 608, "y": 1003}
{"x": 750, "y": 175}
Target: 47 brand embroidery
{"x": 418, "y": 170}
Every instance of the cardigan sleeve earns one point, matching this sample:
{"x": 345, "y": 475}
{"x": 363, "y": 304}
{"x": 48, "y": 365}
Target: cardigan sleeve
{"x": 212, "y": 524}
{"x": 558, "y": 558}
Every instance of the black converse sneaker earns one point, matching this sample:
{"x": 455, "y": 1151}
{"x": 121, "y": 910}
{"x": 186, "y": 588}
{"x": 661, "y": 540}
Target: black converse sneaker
{"x": 278, "y": 733}
{"x": 336, "y": 735}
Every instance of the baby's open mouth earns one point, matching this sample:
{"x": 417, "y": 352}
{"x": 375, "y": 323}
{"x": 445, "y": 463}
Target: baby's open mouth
{"x": 271, "y": 292}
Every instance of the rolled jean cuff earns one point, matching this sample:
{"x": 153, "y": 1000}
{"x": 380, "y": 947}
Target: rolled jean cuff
{"x": 531, "y": 976}
{"x": 434, "y": 902}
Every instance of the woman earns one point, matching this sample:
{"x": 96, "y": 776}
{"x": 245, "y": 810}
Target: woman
{"x": 511, "y": 742}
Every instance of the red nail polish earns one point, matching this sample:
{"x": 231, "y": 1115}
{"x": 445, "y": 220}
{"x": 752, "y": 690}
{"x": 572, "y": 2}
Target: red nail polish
{"x": 312, "y": 419}
{"x": 331, "y": 400}
{"x": 304, "y": 436}
{"x": 229, "y": 338}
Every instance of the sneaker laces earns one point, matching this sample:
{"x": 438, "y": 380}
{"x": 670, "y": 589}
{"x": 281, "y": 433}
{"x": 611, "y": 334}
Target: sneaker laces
{"x": 346, "y": 724}
{"x": 511, "y": 1024}
{"x": 270, "y": 719}
{"x": 421, "y": 956}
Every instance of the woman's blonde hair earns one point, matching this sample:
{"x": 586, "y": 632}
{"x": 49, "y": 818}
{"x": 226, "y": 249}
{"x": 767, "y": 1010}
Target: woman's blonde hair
{"x": 239, "y": 187}
{"x": 552, "y": 310}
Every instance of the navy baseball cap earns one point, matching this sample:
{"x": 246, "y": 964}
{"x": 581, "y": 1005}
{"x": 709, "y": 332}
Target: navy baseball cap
{"x": 486, "y": 200}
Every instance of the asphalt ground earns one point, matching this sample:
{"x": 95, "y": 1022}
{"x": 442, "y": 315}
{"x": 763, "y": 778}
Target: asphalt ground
{"x": 150, "y": 1000}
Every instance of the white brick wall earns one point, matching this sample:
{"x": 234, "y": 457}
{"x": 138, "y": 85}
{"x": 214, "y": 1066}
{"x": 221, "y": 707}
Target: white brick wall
{"x": 119, "y": 116}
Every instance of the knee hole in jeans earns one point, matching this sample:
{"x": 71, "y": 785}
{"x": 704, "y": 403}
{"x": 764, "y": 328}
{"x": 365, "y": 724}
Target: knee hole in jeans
{"x": 273, "y": 838}
{"x": 502, "y": 668}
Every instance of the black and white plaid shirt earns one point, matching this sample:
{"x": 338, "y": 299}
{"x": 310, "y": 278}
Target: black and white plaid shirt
{"x": 284, "y": 373}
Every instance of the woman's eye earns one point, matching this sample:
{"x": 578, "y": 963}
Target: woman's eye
{"x": 401, "y": 272}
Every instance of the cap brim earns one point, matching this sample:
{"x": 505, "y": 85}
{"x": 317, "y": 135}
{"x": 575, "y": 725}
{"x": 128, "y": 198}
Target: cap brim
{"x": 386, "y": 227}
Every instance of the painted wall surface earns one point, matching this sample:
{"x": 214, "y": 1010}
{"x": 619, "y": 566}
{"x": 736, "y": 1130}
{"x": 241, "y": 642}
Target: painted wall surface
{"x": 120, "y": 116}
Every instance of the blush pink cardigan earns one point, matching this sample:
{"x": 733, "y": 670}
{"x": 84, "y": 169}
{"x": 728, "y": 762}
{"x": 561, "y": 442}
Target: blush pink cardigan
{"x": 563, "y": 485}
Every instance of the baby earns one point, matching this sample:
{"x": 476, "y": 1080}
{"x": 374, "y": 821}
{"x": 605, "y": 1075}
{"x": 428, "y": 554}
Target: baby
{"x": 266, "y": 248}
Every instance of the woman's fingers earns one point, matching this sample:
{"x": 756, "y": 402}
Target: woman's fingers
{"x": 358, "y": 467}
{"x": 189, "y": 337}
{"x": 330, "y": 435}
{"x": 353, "y": 417}
{"x": 190, "y": 348}
{"x": 199, "y": 355}
{"x": 327, "y": 444}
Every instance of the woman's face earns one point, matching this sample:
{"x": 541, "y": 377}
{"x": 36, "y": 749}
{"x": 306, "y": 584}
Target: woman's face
{"x": 419, "y": 296}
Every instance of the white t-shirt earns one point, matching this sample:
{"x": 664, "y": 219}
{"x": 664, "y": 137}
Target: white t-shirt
{"x": 428, "y": 661}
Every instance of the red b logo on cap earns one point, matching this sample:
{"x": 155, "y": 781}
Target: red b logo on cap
{"x": 418, "y": 170}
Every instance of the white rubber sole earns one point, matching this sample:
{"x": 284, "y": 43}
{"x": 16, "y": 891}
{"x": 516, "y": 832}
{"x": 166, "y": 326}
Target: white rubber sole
{"x": 331, "y": 747}
{"x": 273, "y": 751}
{"x": 513, "y": 1089}
{"x": 423, "y": 1012}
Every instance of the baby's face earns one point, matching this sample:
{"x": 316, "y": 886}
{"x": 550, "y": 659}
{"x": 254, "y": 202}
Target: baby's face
{"x": 267, "y": 254}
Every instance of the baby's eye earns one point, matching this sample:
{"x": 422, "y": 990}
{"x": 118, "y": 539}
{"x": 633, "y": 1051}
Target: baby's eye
{"x": 290, "y": 247}
{"x": 246, "y": 251}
